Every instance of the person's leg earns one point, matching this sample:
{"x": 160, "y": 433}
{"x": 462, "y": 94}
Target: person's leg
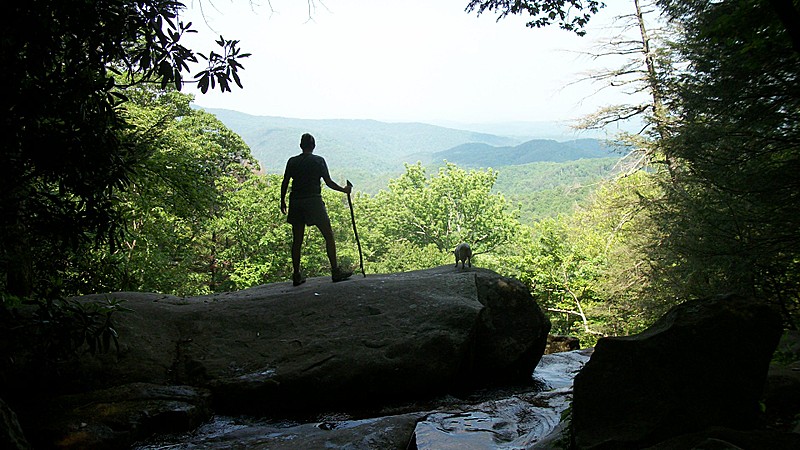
{"x": 298, "y": 230}
{"x": 337, "y": 274}
{"x": 330, "y": 243}
{"x": 318, "y": 216}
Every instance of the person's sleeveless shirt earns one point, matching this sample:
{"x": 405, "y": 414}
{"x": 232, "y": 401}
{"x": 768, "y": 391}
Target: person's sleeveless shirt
{"x": 306, "y": 170}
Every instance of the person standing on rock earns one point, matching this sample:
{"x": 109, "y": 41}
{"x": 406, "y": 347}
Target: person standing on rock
{"x": 306, "y": 206}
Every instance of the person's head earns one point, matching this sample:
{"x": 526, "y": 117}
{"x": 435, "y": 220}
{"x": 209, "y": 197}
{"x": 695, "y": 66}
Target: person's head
{"x": 307, "y": 143}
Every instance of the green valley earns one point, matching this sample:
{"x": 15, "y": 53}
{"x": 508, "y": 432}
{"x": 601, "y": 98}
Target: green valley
{"x": 540, "y": 177}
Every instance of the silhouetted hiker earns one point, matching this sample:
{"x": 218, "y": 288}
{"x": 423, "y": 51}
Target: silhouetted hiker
{"x": 306, "y": 206}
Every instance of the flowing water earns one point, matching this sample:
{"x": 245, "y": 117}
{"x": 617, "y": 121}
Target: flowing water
{"x": 514, "y": 422}
{"x": 510, "y": 418}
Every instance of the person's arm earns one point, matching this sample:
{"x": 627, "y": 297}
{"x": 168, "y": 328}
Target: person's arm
{"x": 332, "y": 184}
{"x": 284, "y": 188}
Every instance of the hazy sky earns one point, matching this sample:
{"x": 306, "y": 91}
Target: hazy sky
{"x": 401, "y": 61}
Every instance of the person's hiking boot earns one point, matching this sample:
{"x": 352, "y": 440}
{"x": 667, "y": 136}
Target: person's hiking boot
{"x": 338, "y": 274}
{"x": 298, "y": 279}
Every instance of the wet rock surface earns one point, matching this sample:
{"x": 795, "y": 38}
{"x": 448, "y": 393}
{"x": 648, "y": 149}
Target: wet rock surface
{"x": 389, "y": 432}
{"x": 511, "y": 417}
{"x": 510, "y": 420}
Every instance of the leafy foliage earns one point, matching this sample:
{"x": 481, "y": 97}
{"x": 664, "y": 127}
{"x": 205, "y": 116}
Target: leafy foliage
{"x": 39, "y": 340}
{"x": 56, "y": 333}
{"x": 65, "y": 326}
{"x": 588, "y": 268}
{"x": 64, "y": 155}
{"x": 543, "y": 12}
{"x": 731, "y": 216}
{"x": 450, "y": 207}
{"x": 547, "y": 189}
{"x": 175, "y": 196}
{"x": 251, "y": 239}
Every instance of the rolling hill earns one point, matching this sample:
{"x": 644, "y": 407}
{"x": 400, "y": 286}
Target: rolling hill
{"x": 537, "y": 150}
{"x": 538, "y": 174}
{"x": 365, "y": 145}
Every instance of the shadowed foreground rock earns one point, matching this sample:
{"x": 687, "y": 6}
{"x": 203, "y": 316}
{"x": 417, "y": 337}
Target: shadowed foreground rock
{"x": 11, "y": 435}
{"x": 701, "y": 365}
{"x": 279, "y": 350}
{"x": 112, "y": 418}
{"x": 782, "y": 392}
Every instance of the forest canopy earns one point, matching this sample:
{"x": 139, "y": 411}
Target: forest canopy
{"x": 66, "y": 155}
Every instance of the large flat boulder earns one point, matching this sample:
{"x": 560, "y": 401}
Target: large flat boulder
{"x": 703, "y": 364}
{"x": 278, "y": 349}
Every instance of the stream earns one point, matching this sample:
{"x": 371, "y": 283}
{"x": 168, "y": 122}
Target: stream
{"x": 502, "y": 418}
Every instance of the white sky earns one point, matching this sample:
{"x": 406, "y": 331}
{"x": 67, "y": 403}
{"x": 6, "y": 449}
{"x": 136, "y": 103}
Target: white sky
{"x": 401, "y": 61}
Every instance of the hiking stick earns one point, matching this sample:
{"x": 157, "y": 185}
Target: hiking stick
{"x": 353, "y": 218}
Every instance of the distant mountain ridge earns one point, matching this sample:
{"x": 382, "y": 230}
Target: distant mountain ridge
{"x": 360, "y": 144}
{"x": 370, "y": 152}
{"x": 536, "y": 150}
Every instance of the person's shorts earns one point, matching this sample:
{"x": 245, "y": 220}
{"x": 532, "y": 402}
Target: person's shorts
{"x": 308, "y": 210}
